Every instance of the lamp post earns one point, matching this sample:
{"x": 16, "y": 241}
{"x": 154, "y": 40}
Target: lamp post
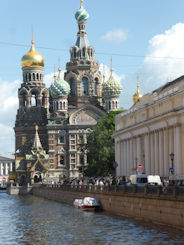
{"x": 172, "y": 161}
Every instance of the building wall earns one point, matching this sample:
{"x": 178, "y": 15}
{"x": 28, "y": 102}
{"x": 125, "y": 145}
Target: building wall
{"x": 148, "y": 132}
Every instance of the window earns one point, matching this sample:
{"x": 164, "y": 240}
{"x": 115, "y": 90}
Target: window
{"x": 85, "y": 85}
{"x": 61, "y": 139}
{"x": 72, "y": 86}
{"x": 72, "y": 136}
{"x": 61, "y": 162}
{"x": 95, "y": 86}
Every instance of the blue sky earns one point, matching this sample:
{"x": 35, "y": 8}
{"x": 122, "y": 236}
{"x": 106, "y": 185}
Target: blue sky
{"x": 144, "y": 37}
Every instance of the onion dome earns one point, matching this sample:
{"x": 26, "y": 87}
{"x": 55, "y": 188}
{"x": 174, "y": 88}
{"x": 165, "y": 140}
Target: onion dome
{"x": 32, "y": 58}
{"x": 81, "y": 14}
{"x": 136, "y": 97}
{"x": 59, "y": 87}
{"x": 111, "y": 87}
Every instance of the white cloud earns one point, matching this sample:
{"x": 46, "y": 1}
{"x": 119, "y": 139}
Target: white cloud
{"x": 115, "y": 36}
{"x": 168, "y": 47}
{"x": 154, "y": 72}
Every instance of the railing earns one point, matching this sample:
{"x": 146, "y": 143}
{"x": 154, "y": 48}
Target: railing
{"x": 155, "y": 191}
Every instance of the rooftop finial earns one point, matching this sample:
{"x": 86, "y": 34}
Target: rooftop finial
{"x": 32, "y": 41}
{"x": 59, "y": 64}
{"x": 81, "y": 3}
{"x": 36, "y": 128}
{"x": 54, "y": 72}
{"x": 111, "y": 66}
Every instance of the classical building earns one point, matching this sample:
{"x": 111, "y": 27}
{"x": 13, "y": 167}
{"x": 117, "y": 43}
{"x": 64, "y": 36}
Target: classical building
{"x": 7, "y": 165}
{"x": 151, "y": 133}
{"x": 65, "y": 113}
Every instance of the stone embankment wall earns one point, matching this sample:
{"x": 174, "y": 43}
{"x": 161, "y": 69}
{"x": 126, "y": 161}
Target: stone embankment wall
{"x": 153, "y": 205}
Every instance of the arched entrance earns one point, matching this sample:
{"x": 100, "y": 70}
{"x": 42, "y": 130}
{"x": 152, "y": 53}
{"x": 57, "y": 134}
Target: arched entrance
{"x": 37, "y": 178}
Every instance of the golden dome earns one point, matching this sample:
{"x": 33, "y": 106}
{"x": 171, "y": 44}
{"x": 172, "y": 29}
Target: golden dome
{"x": 137, "y": 94}
{"x": 32, "y": 58}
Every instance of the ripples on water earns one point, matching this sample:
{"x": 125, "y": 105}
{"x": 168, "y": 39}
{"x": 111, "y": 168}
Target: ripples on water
{"x": 31, "y": 220}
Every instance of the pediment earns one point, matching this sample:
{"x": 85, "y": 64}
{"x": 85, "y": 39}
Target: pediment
{"x": 86, "y": 116}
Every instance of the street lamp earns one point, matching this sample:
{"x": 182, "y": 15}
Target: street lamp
{"x": 172, "y": 160}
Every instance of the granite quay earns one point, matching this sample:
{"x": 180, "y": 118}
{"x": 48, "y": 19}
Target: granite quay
{"x": 150, "y": 202}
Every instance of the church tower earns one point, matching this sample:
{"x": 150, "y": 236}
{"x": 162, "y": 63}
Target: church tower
{"x": 83, "y": 73}
{"x": 33, "y": 101}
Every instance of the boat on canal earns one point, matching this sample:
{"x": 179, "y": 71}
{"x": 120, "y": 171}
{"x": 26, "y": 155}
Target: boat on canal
{"x": 87, "y": 204}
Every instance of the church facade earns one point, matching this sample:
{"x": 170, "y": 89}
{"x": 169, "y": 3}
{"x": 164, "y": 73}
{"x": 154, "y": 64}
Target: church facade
{"x": 63, "y": 114}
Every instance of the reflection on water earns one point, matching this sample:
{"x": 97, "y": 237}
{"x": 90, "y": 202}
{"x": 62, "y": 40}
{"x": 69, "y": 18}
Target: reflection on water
{"x": 32, "y": 220}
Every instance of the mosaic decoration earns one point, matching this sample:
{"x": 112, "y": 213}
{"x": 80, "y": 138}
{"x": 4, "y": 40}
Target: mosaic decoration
{"x": 111, "y": 87}
{"x": 60, "y": 88}
{"x": 81, "y": 15}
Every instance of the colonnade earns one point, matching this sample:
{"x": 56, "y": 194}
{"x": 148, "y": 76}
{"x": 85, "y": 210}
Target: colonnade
{"x": 151, "y": 149}
{"x": 5, "y": 168}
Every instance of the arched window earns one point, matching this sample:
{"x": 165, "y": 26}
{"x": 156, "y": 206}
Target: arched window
{"x": 56, "y": 105}
{"x": 113, "y": 105}
{"x": 61, "y": 105}
{"x": 33, "y": 76}
{"x": 29, "y": 76}
{"x": 95, "y": 85}
{"x": 64, "y": 105}
{"x": 116, "y": 105}
{"x": 33, "y": 100}
{"x": 109, "y": 105}
{"x": 85, "y": 85}
{"x": 72, "y": 86}
{"x": 37, "y": 76}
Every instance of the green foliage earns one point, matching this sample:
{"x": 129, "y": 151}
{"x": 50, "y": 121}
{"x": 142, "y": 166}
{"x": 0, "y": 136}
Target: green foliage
{"x": 101, "y": 154}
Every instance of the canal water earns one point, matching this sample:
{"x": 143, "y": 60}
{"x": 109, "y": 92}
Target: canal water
{"x": 31, "y": 220}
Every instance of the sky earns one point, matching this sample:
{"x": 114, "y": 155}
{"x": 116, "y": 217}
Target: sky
{"x": 145, "y": 38}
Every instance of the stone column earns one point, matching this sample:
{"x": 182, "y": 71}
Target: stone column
{"x": 28, "y": 99}
{"x": 161, "y": 158}
{"x": 152, "y": 154}
{"x": 6, "y": 168}
{"x": 117, "y": 156}
{"x": 125, "y": 154}
{"x": 139, "y": 149}
{"x": 11, "y": 166}
{"x": 146, "y": 150}
{"x": 156, "y": 152}
{"x": 177, "y": 164}
{"x": 165, "y": 149}
{"x": 128, "y": 157}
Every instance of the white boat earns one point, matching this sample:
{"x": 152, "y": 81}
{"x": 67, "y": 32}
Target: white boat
{"x": 77, "y": 203}
{"x": 87, "y": 204}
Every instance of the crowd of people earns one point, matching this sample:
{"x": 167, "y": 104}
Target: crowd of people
{"x": 111, "y": 180}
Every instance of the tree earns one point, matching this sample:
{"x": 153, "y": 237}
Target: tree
{"x": 101, "y": 153}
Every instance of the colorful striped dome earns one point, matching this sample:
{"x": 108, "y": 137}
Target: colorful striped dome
{"x": 60, "y": 87}
{"x": 111, "y": 87}
{"x": 81, "y": 15}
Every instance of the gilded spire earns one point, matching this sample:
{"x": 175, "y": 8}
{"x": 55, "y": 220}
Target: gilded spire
{"x": 137, "y": 94}
{"x": 81, "y": 3}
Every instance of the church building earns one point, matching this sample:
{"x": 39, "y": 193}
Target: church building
{"x": 52, "y": 124}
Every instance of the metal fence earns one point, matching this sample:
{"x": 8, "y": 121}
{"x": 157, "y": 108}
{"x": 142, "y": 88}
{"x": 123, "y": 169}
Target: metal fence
{"x": 155, "y": 191}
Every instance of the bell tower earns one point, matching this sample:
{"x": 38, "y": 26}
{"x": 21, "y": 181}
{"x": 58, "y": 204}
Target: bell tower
{"x": 83, "y": 73}
{"x": 33, "y": 101}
